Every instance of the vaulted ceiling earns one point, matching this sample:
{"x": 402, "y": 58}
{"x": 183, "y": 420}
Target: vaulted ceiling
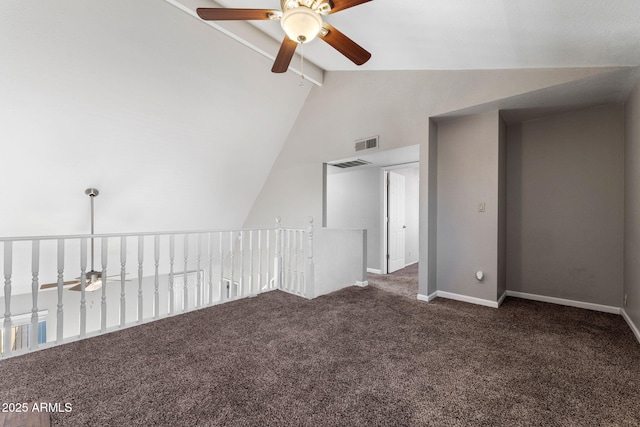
{"x": 145, "y": 98}
{"x": 463, "y": 34}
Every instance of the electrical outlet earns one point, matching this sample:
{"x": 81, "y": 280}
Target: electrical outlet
{"x": 624, "y": 301}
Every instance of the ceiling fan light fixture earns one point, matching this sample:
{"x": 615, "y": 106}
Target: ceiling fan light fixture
{"x": 301, "y": 24}
{"x": 93, "y": 285}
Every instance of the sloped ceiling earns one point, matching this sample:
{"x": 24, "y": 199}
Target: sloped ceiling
{"x": 463, "y": 35}
{"x": 167, "y": 118}
{"x": 178, "y": 124}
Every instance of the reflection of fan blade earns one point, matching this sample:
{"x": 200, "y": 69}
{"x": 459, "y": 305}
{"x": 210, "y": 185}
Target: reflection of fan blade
{"x": 339, "y": 5}
{"x": 287, "y": 49}
{"x": 344, "y": 44}
{"x": 76, "y": 283}
{"x": 221, "y": 14}
{"x": 55, "y": 285}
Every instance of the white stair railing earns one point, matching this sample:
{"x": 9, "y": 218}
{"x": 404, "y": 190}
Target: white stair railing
{"x": 241, "y": 263}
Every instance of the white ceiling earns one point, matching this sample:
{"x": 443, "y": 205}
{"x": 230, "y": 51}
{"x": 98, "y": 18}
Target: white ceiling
{"x": 480, "y": 34}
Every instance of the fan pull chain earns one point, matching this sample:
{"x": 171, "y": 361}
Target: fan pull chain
{"x": 301, "y": 65}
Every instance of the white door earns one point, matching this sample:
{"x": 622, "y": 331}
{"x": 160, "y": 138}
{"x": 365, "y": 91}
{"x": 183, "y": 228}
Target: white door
{"x": 396, "y": 221}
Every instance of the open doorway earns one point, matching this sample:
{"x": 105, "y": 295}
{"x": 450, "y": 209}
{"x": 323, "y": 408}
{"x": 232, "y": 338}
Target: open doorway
{"x": 356, "y": 196}
{"x": 400, "y": 209}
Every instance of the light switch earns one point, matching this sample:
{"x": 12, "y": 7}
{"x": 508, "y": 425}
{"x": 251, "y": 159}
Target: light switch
{"x": 481, "y": 207}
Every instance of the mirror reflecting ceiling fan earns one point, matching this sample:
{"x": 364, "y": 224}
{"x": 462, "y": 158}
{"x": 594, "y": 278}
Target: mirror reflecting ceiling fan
{"x": 302, "y": 21}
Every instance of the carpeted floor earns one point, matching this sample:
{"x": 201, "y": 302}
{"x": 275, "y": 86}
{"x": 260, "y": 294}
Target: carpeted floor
{"x": 357, "y": 357}
{"x": 402, "y": 282}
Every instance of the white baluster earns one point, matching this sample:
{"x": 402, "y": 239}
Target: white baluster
{"x": 123, "y": 273}
{"x": 232, "y": 257}
{"x": 294, "y": 249}
{"x": 309, "y": 272}
{"x": 185, "y": 301}
{"x": 83, "y": 285}
{"x": 221, "y": 259}
{"x": 251, "y": 291}
{"x": 259, "y": 260}
{"x": 301, "y": 264}
{"x": 140, "y": 261}
{"x": 210, "y": 248}
{"x": 277, "y": 268}
{"x": 268, "y": 276}
{"x": 103, "y": 302}
{"x": 288, "y": 252}
{"x": 198, "y": 275}
{"x": 8, "y": 261}
{"x": 172, "y": 255}
{"x": 156, "y": 276}
{"x": 60, "y": 329}
{"x": 241, "y": 281}
{"x": 35, "y": 268}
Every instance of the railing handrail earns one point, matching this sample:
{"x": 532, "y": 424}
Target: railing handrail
{"x": 144, "y": 233}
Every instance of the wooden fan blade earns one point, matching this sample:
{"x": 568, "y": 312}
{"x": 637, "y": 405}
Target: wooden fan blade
{"x": 338, "y": 5}
{"x": 222, "y": 14}
{"x": 285, "y": 54}
{"x": 55, "y": 285}
{"x": 344, "y": 44}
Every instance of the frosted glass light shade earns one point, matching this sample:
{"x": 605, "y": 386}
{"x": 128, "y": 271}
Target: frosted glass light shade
{"x": 301, "y": 24}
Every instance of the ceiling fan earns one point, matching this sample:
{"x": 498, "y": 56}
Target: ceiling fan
{"x": 302, "y": 21}
{"x": 93, "y": 278}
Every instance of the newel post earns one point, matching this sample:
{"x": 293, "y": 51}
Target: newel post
{"x": 309, "y": 267}
{"x": 277, "y": 263}
{"x": 8, "y": 256}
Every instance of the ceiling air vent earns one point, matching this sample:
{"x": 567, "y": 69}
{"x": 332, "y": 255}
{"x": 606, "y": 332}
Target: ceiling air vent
{"x": 367, "y": 144}
{"x": 350, "y": 164}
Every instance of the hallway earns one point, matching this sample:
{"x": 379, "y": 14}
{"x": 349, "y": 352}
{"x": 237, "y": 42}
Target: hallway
{"x": 403, "y": 282}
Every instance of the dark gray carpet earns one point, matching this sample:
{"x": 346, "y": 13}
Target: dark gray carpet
{"x": 358, "y": 357}
{"x": 402, "y": 282}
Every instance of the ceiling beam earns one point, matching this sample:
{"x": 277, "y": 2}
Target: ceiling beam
{"x": 251, "y": 37}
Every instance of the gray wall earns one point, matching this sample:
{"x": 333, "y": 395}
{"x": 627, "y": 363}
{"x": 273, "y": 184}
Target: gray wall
{"x": 353, "y": 201}
{"x": 502, "y": 209}
{"x": 468, "y": 160}
{"x": 565, "y": 206}
{"x": 632, "y": 207}
{"x": 396, "y": 105}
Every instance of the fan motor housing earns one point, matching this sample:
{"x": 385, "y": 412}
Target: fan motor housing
{"x": 323, "y": 7}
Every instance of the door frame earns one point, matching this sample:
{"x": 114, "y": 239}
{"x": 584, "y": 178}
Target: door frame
{"x": 384, "y": 209}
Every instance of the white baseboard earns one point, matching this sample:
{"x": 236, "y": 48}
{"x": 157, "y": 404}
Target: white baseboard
{"x": 502, "y": 297}
{"x": 374, "y": 271}
{"x": 458, "y": 297}
{"x": 411, "y": 263}
{"x": 463, "y": 298}
{"x": 427, "y": 298}
{"x": 362, "y": 284}
{"x": 466, "y": 298}
{"x": 534, "y": 297}
{"x": 567, "y": 302}
{"x": 633, "y": 327}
